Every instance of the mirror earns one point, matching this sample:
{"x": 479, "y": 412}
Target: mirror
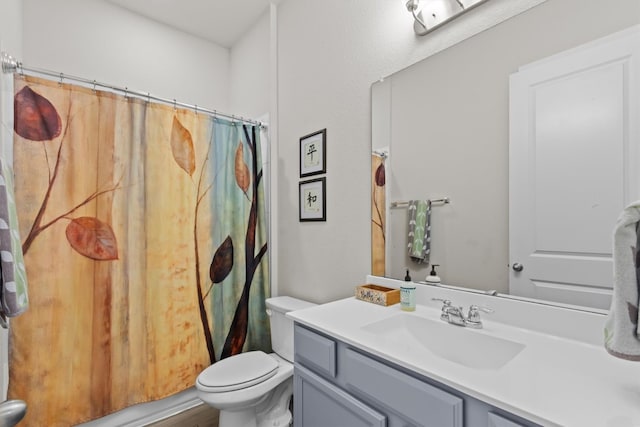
{"x": 443, "y": 125}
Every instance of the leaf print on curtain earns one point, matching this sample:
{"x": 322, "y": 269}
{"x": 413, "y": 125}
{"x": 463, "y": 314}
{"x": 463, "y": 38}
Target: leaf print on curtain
{"x": 134, "y": 245}
{"x": 378, "y": 215}
{"x": 240, "y": 218}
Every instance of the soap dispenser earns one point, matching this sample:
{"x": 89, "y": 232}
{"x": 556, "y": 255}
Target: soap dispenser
{"x": 408, "y": 294}
{"x": 433, "y": 276}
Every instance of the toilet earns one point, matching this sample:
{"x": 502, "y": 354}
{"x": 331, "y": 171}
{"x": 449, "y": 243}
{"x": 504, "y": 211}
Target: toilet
{"x": 253, "y": 389}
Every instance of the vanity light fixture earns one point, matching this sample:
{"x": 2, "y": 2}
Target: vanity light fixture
{"x": 431, "y": 14}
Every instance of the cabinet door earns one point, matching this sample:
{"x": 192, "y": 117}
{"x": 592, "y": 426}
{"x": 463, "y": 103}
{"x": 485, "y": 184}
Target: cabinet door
{"x": 412, "y": 399}
{"x": 318, "y": 403}
{"x": 315, "y": 351}
{"x": 496, "y": 420}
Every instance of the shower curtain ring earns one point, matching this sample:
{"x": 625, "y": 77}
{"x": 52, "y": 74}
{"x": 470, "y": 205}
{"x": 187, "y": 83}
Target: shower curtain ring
{"x": 61, "y": 77}
{"x": 148, "y": 97}
{"x": 94, "y": 86}
{"x": 196, "y": 108}
{"x": 174, "y": 104}
{"x": 126, "y": 92}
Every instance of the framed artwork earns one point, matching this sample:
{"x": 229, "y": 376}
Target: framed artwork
{"x": 312, "y": 200}
{"x": 313, "y": 153}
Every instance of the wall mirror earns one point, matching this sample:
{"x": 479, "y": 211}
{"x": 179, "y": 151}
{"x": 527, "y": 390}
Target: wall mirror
{"x": 441, "y": 128}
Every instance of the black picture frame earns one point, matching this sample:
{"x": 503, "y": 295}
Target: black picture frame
{"x": 313, "y": 153}
{"x": 312, "y": 200}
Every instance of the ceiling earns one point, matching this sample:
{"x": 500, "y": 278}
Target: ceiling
{"x": 220, "y": 21}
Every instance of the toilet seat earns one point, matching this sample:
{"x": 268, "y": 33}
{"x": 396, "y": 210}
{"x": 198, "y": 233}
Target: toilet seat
{"x": 237, "y": 372}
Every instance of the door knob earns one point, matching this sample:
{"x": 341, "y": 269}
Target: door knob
{"x": 517, "y": 266}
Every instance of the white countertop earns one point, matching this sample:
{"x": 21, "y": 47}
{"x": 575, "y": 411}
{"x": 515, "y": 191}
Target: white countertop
{"x": 554, "y": 381}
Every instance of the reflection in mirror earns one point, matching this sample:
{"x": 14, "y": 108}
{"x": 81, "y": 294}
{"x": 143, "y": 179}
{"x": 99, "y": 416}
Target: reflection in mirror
{"x": 441, "y": 128}
{"x": 431, "y": 14}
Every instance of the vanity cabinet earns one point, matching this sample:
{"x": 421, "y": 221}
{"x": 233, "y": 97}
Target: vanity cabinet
{"x": 324, "y": 404}
{"x": 336, "y": 384}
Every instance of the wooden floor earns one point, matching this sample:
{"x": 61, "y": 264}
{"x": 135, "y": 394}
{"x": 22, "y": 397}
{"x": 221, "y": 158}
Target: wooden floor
{"x": 200, "y": 416}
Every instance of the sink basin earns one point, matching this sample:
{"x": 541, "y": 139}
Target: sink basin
{"x": 465, "y": 346}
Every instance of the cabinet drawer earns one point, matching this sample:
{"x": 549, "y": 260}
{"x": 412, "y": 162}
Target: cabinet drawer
{"x": 496, "y": 420}
{"x": 315, "y": 351}
{"x": 318, "y": 403}
{"x": 411, "y": 398}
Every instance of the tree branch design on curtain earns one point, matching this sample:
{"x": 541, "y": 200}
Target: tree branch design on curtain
{"x": 184, "y": 154}
{"x": 222, "y": 261}
{"x": 146, "y": 195}
{"x": 238, "y": 331}
{"x": 378, "y": 215}
{"x": 36, "y": 119}
{"x": 378, "y": 182}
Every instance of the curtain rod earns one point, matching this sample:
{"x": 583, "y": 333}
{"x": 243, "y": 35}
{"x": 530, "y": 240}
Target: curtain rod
{"x": 10, "y": 65}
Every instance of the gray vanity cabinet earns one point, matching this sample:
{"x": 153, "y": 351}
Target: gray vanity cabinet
{"x": 327, "y": 405}
{"x": 338, "y": 385}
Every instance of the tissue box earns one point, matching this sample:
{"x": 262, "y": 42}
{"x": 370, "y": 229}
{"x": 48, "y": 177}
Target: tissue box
{"x": 378, "y": 294}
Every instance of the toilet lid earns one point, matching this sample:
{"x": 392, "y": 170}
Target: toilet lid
{"x": 238, "y": 372}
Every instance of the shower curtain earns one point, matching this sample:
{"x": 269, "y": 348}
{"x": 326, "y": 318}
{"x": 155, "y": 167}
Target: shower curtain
{"x": 378, "y": 215}
{"x": 145, "y": 246}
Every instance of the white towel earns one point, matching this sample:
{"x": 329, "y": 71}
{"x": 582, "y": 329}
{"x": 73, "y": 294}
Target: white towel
{"x": 14, "y": 298}
{"x": 621, "y": 328}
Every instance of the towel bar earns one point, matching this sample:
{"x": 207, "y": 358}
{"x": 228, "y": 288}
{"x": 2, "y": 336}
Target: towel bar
{"x": 444, "y": 200}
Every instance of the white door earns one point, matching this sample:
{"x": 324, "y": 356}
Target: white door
{"x": 573, "y": 166}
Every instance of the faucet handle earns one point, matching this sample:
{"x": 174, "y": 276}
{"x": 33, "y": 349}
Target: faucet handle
{"x": 475, "y": 308}
{"x": 473, "y": 318}
{"x": 445, "y": 302}
{"x": 446, "y": 306}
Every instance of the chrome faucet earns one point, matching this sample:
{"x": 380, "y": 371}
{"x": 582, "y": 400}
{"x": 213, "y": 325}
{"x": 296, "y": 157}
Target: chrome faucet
{"x": 473, "y": 318}
{"x": 455, "y": 315}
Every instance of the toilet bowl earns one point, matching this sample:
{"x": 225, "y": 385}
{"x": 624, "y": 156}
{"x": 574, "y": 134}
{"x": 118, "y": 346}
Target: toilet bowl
{"x": 253, "y": 389}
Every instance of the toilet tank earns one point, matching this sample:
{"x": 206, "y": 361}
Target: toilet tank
{"x": 282, "y": 326}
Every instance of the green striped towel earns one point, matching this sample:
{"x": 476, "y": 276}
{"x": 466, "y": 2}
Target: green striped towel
{"x": 419, "y": 242}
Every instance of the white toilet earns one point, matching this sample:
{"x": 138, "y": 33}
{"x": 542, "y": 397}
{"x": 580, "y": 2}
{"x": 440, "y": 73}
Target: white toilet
{"x": 254, "y": 389}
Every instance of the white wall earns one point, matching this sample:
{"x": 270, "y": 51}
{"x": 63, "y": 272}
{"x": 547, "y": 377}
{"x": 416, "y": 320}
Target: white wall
{"x": 97, "y": 40}
{"x": 249, "y": 71}
{"x": 11, "y": 26}
{"x": 10, "y": 41}
{"x": 329, "y": 54}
